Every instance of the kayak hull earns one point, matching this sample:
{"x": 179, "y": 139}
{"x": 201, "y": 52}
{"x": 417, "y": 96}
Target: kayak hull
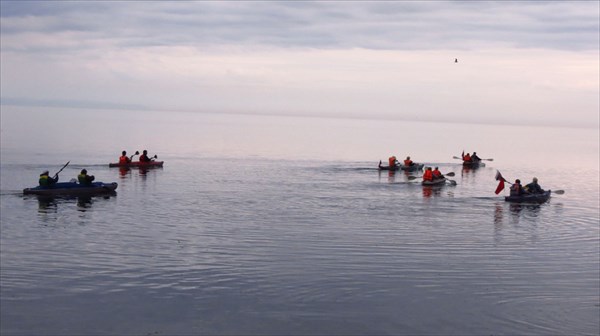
{"x": 473, "y": 164}
{"x": 529, "y": 198}
{"x": 415, "y": 167}
{"x": 137, "y": 164}
{"x": 435, "y": 182}
{"x": 72, "y": 189}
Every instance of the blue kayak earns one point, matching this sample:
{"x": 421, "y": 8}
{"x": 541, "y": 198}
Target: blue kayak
{"x": 72, "y": 188}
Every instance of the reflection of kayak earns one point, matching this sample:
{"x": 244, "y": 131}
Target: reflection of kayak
{"x": 471, "y": 164}
{"x": 150, "y": 164}
{"x": 72, "y": 188}
{"x": 434, "y": 182}
{"x": 530, "y": 198}
{"x": 414, "y": 167}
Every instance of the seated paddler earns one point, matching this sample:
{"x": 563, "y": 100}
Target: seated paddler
{"x": 534, "y": 187}
{"x": 428, "y": 174}
{"x": 45, "y": 179}
{"x": 408, "y": 162}
{"x": 124, "y": 159}
{"x": 84, "y": 178}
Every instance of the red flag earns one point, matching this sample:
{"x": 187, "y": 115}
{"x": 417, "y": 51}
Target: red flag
{"x": 500, "y": 187}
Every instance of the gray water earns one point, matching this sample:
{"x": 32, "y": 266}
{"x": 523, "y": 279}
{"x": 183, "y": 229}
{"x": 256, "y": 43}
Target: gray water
{"x": 268, "y": 225}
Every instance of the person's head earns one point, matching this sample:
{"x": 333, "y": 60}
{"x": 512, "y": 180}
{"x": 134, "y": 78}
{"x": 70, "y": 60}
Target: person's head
{"x": 428, "y": 168}
{"x": 83, "y": 172}
{"x": 123, "y": 153}
{"x": 517, "y": 181}
{"x": 436, "y": 168}
{"x": 45, "y": 173}
{"x": 408, "y": 157}
{"x": 145, "y": 152}
{"x": 535, "y": 179}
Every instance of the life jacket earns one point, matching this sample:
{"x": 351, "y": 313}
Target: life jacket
{"x": 437, "y": 173}
{"x": 516, "y": 190}
{"x": 85, "y": 179}
{"x": 44, "y": 180}
{"x": 144, "y": 158}
{"x": 408, "y": 162}
{"x": 428, "y": 175}
{"x": 123, "y": 159}
{"x": 467, "y": 158}
{"x": 392, "y": 161}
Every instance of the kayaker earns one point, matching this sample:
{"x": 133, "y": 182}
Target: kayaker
{"x": 467, "y": 158}
{"x": 408, "y": 162}
{"x": 84, "y": 178}
{"x": 475, "y": 158}
{"x": 534, "y": 187}
{"x": 392, "y": 161}
{"x": 516, "y": 189}
{"x": 45, "y": 179}
{"x": 124, "y": 159}
{"x": 144, "y": 157}
{"x": 428, "y": 174}
{"x": 437, "y": 174}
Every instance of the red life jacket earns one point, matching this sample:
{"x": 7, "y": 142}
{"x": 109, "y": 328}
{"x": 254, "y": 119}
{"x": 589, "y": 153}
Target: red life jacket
{"x": 123, "y": 159}
{"x": 407, "y": 162}
{"x": 392, "y": 161}
{"x": 437, "y": 173}
{"x": 467, "y": 158}
{"x": 428, "y": 175}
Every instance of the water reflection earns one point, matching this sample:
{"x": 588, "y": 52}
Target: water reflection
{"x": 48, "y": 205}
{"x": 429, "y": 191}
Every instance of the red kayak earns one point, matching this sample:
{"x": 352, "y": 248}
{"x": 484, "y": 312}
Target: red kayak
{"x": 139, "y": 164}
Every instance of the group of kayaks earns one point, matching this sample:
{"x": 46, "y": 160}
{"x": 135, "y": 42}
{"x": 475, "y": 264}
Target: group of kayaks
{"x": 467, "y": 164}
{"x": 73, "y": 188}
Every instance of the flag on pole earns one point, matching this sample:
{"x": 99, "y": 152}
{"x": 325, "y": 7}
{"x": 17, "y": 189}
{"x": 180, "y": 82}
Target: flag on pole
{"x": 463, "y": 154}
{"x": 501, "y": 183}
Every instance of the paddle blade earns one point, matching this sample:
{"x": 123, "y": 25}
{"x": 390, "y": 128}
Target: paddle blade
{"x": 410, "y": 178}
{"x": 450, "y": 174}
{"x": 558, "y": 192}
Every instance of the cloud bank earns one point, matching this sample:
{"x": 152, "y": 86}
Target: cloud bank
{"x": 531, "y": 62}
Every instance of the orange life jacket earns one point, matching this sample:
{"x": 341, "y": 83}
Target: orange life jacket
{"x": 437, "y": 173}
{"x": 392, "y": 161}
{"x": 428, "y": 175}
{"x": 124, "y": 159}
{"x": 467, "y": 158}
{"x": 407, "y": 162}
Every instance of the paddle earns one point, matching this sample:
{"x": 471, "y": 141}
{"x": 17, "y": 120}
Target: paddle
{"x": 131, "y": 157}
{"x": 61, "y": 169}
{"x": 558, "y": 192}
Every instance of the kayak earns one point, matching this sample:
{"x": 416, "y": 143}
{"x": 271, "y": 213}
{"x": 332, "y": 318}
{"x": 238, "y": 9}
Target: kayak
{"x": 414, "y": 167}
{"x": 529, "y": 198}
{"x": 392, "y": 168}
{"x": 435, "y": 182}
{"x": 150, "y": 164}
{"x": 72, "y": 188}
{"x": 473, "y": 164}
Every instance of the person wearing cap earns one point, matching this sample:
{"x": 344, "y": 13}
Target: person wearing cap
{"x": 516, "y": 189}
{"x": 437, "y": 174}
{"x": 45, "y": 179}
{"x": 84, "y": 178}
{"x": 534, "y": 187}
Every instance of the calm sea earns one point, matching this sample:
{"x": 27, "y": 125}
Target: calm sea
{"x": 284, "y": 226}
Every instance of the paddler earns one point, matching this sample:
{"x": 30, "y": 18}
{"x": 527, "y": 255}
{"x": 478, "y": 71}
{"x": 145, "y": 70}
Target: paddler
{"x": 84, "y": 178}
{"x": 475, "y": 158}
{"x": 45, "y": 179}
{"x": 437, "y": 174}
{"x": 392, "y": 161}
{"x": 534, "y": 187}
{"x": 516, "y": 189}
{"x": 144, "y": 157}
{"x": 124, "y": 159}
{"x": 408, "y": 162}
{"x": 467, "y": 158}
{"x": 428, "y": 174}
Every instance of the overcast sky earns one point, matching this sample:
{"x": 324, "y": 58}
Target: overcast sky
{"x": 519, "y": 62}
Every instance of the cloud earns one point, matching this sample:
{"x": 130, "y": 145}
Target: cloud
{"x": 519, "y": 61}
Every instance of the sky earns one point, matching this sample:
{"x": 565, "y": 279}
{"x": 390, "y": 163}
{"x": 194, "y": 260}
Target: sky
{"x": 519, "y": 62}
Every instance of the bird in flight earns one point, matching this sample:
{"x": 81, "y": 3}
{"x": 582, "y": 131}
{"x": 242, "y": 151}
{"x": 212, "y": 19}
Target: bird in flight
{"x": 456, "y": 60}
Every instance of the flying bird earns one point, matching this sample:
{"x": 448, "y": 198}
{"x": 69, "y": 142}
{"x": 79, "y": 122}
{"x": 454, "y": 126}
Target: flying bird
{"x": 456, "y": 60}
